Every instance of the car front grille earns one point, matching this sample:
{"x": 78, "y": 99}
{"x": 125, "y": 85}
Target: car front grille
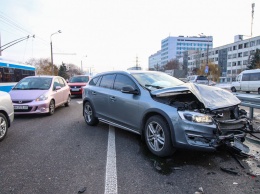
{"x": 75, "y": 86}
{"x": 21, "y": 101}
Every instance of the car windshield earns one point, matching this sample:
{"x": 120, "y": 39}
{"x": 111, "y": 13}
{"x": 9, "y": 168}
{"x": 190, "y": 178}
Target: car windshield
{"x": 202, "y": 78}
{"x": 156, "y": 80}
{"x": 79, "y": 79}
{"x": 33, "y": 83}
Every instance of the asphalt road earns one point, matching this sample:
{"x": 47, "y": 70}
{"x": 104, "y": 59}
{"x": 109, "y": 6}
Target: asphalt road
{"x": 61, "y": 154}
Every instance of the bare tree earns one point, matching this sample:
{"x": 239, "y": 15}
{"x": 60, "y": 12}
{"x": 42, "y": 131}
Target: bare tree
{"x": 173, "y": 64}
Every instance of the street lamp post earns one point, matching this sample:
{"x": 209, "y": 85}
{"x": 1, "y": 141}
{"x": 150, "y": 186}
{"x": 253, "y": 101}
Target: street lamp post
{"x": 52, "y": 68}
{"x": 81, "y": 63}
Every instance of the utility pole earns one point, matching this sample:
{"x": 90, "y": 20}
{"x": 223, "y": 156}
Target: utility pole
{"x": 253, "y": 6}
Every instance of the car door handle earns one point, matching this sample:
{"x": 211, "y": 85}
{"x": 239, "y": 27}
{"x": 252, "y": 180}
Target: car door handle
{"x": 93, "y": 93}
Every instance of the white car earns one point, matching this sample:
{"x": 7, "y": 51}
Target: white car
{"x": 6, "y": 113}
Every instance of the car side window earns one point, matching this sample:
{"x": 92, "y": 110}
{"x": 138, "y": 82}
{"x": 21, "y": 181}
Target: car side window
{"x": 94, "y": 81}
{"x": 56, "y": 83}
{"x": 62, "y": 83}
{"x": 121, "y": 81}
{"x": 107, "y": 81}
{"x": 245, "y": 77}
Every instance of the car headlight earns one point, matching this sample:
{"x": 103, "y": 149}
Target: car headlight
{"x": 42, "y": 97}
{"x": 196, "y": 117}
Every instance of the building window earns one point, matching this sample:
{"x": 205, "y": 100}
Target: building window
{"x": 240, "y": 46}
{"x": 234, "y": 55}
{"x": 246, "y": 45}
{"x": 245, "y": 54}
{"x": 258, "y": 42}
{"x": 239, "y": 54}
{"x": 252, "y": 43}
{"x": 234, "y": 64}
{"x": 234, "y": 48}
{"x": 239, "y": 63}
{"x": 229, "y": 56}
{"x": 245, "y": 62}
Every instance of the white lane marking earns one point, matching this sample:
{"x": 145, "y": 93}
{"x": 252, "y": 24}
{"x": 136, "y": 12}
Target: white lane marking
{"x": 111, "y": 174}
{"x": 79, "y": 102}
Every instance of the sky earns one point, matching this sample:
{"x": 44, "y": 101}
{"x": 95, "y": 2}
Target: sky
{"x": 107, "y": 35}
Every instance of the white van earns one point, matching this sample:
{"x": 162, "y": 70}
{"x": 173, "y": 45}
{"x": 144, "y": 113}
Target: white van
{"x": 247, "y": 81}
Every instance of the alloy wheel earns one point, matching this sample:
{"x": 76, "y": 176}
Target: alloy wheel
{"x": 155, "y": 136}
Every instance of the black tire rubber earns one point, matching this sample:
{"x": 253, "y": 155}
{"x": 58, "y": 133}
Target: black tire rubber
{"x": 3, "y": 126}
{"x": 164, "y": 134}
{"x": 89, "y": 114}
{"x": 258, "y": 90}
{"x": 51, "y": 107}
{"x": 67, "y": 104}
{"x": 233, "y": 89}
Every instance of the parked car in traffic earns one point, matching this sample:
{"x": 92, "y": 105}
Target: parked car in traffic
{"x": 168, "y": 113}
{"x": 40, "y": 94}
{"x": 6, "y": 113}
{"x": 77, "y": 82}
{"x": 247, "y": 81}
{"x": 199, "y": 79}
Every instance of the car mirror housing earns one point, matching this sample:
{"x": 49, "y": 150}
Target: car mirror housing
{"x": 57, "y": 87}
{"x": 129, "y": 90}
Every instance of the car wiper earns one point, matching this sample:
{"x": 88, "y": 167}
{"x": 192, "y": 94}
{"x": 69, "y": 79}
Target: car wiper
{"x": 154, "y": 86}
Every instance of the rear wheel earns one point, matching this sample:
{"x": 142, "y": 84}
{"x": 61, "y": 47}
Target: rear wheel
{"x": 89, "y": 114}
{"x": 158, "y": 137}
{"x": 233, "y": 89}
{"x": 68, "y": 101}
{"x": 51, "y": 107}
{"x": 3, "y": 126}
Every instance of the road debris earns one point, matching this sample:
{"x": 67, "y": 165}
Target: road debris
{"x": 230, "y": 170}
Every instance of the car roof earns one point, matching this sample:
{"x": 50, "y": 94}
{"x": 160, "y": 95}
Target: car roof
{"x": 45, "y": 76}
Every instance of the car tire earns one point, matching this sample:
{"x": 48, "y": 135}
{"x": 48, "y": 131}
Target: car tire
{"x": 3, "y": 126}
{"x": 89, "y": 114}
{"x": 158, "y": 137}
{"x": 258, "y": 90}
{"x": 233, "y": 89}
{"x": 68, "y": 101}
{"x": 51, "y": 107}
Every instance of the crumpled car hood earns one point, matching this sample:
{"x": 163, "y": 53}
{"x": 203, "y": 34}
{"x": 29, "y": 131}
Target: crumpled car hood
{"x": 212, "y": 97}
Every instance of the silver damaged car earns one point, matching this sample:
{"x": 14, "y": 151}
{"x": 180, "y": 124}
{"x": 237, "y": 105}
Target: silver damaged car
{"x": 168, "y": 113}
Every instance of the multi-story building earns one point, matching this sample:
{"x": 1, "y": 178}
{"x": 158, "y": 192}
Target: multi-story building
{"x": 155, "y": 61}
{"x": 231, "y": 58}
{"x": 174, "y": 47}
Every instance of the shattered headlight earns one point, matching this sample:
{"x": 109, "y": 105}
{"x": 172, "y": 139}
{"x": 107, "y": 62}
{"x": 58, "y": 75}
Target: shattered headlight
{"x": 42, "y": 97}
{"x": 196, "y": 117}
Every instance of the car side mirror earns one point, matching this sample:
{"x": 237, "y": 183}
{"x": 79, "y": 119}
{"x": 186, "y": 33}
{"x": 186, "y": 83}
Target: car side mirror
{"x": 57, "y": 87}
{"x": 129, "y": 90}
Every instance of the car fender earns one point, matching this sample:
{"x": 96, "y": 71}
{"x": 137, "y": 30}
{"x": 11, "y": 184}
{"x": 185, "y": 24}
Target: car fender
{"x": 155, "y": 111}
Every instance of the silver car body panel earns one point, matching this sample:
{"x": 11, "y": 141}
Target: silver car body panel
{"x": 6, "y": 105}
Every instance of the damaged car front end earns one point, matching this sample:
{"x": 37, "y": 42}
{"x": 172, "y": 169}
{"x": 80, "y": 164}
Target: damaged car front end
{"x": 210, "y": 117}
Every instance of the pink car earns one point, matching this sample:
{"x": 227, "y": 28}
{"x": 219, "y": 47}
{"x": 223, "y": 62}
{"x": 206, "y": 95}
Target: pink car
{"x": 40, "y": 94}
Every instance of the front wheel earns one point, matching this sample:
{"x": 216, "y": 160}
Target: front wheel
{"x": 158, "y": 137}
{"x": 51, "y": 107}
{"x": 89, "y": 115}
{"x": 3, "y": 126}
{"x": 68, "y": 101}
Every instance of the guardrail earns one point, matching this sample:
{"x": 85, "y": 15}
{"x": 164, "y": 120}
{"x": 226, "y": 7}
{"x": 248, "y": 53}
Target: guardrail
{"x": 251, "y": 102}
